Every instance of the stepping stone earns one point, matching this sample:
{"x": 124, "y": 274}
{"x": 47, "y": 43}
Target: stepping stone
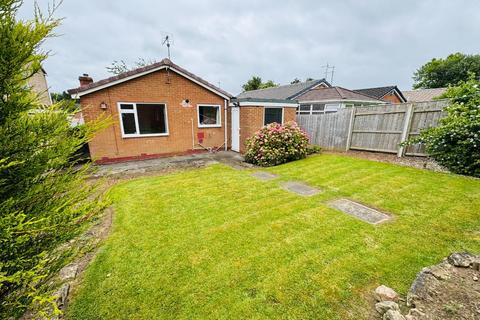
{"x": 265, "y": 176}
{"x": 300, "y": 188}
{"x": 359, "y": 211}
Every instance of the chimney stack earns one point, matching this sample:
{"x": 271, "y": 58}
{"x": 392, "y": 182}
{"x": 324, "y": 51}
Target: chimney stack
{"x": 85, "y": 80}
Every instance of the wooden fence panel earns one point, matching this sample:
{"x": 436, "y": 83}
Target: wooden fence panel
{"x": 377, "y": 128}
{"x": 329, "y": 130}
{"x": 373, "y": 128}
{"x": 424, "y": 115}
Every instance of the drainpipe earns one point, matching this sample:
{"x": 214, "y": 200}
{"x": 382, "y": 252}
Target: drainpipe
{"x": 226, "y": 125}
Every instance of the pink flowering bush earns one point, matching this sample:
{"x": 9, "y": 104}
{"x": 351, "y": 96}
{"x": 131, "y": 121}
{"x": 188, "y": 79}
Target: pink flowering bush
{"x": 275, "y": 144}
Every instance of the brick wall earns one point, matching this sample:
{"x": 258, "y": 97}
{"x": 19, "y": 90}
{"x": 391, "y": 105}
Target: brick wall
{"x": 251, "y": 120}
{"x": 161, "y": 87}
{"x": 393, "y": 98}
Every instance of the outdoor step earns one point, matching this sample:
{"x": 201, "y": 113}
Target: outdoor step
{"x": 264, "y": 176}
{"x": 359, "y": 211}
{"x": 300, "y": 188}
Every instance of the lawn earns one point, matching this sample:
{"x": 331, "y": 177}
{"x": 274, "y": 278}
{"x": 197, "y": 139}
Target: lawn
{"x": 217, "y": 243}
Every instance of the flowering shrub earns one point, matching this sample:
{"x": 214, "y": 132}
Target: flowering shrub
{"x": 275, "y": 144}
{"x": 455, "y": 143}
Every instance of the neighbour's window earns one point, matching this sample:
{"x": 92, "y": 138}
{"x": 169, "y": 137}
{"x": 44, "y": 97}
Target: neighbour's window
{"x": 315, "y": 108}
{"x": 209, "y": 116}
{"x": 143, "y": 119}
{"x": 304, "y": 109}
{"x": 331, "y": 107}
{"x": 318, "y": 108}
{"x": 273, "y": 115}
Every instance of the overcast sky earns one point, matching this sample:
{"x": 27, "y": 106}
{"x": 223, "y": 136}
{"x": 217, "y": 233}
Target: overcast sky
{"x": 370, "y": 43}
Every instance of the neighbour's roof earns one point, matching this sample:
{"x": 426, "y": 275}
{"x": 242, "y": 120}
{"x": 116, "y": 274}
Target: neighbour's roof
{"x": 420, "y": 95}
{"x": 98, "y": 85}
{"x": 335, "y": 94}
{"x": 380, "y": 92}
{"x": 289, "y": 91}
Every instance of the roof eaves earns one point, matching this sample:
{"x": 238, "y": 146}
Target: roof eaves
{"x": 263, "y": 100}
{"x": 400, "y": 93}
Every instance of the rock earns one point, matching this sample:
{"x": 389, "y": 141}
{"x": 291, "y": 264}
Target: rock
{"x": 393, "y": 315}
{"x": 415, "y": 313}
{"x": 460, "y": 259}
{"x": 475, "y": 278}
{"x": 441, "y": 271}
{"x": 384, "y": 293}
{"x": 69, "y": 272}
{"x": 384, "y": 306}
{"x": 62, "y": 294}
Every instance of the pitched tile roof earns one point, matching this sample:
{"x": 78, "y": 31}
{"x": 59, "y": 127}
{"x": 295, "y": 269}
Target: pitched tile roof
{"x": 380, "y": 92}
{"x": 145, "y": 70}
{"x": 334, "y": 94}
{"x": 420, "y": 95}
{"x": 289, "y": 91}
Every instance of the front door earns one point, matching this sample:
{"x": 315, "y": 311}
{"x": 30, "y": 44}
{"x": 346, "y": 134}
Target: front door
{"x": 236, "y": 129}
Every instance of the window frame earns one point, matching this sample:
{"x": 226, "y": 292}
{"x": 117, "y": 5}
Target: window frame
{"x": 265, "y": 109}
{"x": 219, "y": 116}
{"x": 326, "y": 108}
{"x": 135, "y": 115}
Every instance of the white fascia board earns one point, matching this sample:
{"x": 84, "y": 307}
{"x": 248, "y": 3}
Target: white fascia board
{"x": 341, "y": 101}
{"x": 79, "y": 94}
{"x": 267, "y": 104}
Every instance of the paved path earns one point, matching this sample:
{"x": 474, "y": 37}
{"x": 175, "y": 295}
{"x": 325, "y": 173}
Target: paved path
{"x": 230, "y": 158}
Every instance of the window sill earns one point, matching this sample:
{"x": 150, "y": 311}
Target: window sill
{"x": 145, "y": 135}
{"x": 210, "y": 126}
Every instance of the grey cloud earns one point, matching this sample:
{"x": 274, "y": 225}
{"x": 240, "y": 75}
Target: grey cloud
{"x": 371, "y": 43}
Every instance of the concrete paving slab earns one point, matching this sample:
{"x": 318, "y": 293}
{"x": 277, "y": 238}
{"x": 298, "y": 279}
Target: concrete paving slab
{"x": 264, "y": 176}
{"x": 359, "y": 211}
{"x": 138, "y": 167}
{"x": 300, "y": 188}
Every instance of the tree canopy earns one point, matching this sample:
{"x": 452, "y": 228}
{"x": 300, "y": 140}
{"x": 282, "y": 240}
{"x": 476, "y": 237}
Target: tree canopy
{"x": 256, "y": 83}
{"x": 120, "y": 66}
{"x": 45, "y": 197}
{"x": 439, "y": 73}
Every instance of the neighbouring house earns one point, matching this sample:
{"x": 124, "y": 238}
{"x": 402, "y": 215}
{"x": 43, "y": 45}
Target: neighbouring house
{"x": 38, "y": 84}
{"x": 421, "y": 95}
{"x": 285, "y": 92}
{"x": 313, "y": 97}
{"x": 163, "y": 109}
{"x": 388, "y": 94}
{"x": 332, "y": 99}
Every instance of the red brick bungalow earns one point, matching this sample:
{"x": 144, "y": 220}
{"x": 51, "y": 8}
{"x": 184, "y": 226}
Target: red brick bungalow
{"x": 163, "y": 110}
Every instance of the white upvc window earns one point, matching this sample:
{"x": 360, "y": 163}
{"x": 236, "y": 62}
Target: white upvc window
{"x": 311, "y": 108}
{"x": 331, "y": 107}
{"x": 209, "y": 116}
{"x": 143, "y": 119}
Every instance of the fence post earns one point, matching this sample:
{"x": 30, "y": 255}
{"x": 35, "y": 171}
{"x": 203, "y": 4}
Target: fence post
{"x": 350, "y": 128}
{"x": 406, "y": 129}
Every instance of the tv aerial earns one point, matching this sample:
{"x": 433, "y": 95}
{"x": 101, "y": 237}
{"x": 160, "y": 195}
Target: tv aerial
{"x": 167, "y": 40}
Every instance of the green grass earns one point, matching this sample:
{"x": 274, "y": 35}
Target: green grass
{"x": 217, "y": 243}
